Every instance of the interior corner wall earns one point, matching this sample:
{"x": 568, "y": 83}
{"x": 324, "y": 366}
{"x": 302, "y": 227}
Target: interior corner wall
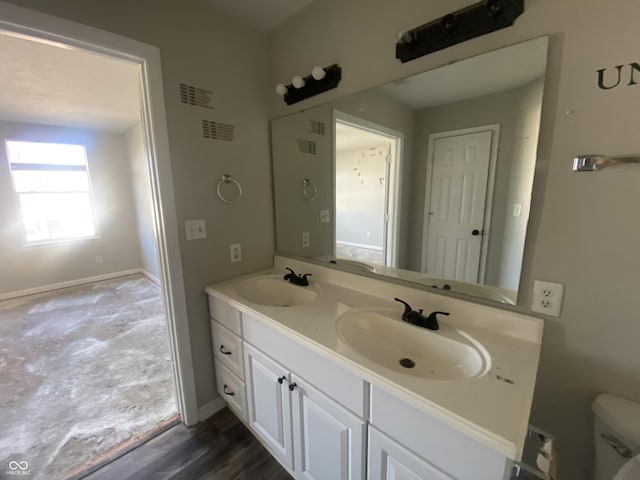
{"x": 208, "y": 49}
{"x": 525, "y": 141}
{"x": 143, "y": 202}
{"x": 582, "y": 230}
{"x": 36, "y": 266}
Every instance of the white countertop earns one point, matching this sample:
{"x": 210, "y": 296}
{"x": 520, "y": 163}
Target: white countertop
{"x": 492, "y": 409}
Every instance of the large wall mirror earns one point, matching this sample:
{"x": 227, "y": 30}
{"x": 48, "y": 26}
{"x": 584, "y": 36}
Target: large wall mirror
{"x": 427, "y": 179}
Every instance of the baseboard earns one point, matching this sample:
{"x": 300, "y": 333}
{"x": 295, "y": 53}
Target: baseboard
{"x": 152, "y": 278}
{"x": 70, "y": 283}
{"x": 210, "y": 408}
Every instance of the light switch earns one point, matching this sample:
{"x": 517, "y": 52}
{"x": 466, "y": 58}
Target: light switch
{"x": 324, "y": 216}
{"x": 195, "y": 229}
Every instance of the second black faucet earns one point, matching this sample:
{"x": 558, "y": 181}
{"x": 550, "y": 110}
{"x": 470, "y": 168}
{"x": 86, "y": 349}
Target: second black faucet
{"x": 416, "y": 318}
{"x": 297, "y": 279}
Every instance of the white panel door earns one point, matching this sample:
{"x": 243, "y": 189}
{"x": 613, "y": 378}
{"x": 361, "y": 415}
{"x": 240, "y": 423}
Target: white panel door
{"x": 269, "y": 402}
{"x": 329, "y": 440}
{"x": 389, "y": 460}
{"x": 457, "y": 205}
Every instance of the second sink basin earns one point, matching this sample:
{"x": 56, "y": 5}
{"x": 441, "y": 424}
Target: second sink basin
{"x": 274, "y": 291}
{"x": 383, "y": 338}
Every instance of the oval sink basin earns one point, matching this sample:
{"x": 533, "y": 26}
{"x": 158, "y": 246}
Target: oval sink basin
{"x": 382, "y": 337}
{"x": 274, "y": 291}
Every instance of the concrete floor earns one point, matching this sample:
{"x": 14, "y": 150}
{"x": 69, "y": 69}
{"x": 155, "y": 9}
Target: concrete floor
{"x": 82, "y": 371}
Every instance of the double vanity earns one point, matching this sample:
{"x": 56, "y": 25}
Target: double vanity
{"x": 337, "y": 386}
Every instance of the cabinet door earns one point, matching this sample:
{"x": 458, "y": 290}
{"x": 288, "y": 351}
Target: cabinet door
{"x": 389, "y": 460}
{"x": 269, "y": 403}
{"x": 328, "y": 439}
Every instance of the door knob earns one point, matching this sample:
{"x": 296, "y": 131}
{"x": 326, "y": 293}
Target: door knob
{"x": 475, "y": 232}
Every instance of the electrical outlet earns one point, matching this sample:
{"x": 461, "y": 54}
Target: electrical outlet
{"x": 99, "y": 259}
{"x": 324, "y": 216}
{"x": 195, "y": 229}
{"x": 547, "y": 298}
{"x": 306, "y": 241}
{"x": 235, "y": 252}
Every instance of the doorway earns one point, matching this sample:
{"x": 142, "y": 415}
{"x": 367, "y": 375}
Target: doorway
{"x": 367, "y": 162}
{"x": 457, "y": 217}
{"x": 21, "y": 23}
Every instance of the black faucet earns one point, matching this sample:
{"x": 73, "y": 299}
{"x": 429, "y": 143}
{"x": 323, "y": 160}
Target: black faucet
{"x": 297, "y": 279}
{"x": 416, "y": 318}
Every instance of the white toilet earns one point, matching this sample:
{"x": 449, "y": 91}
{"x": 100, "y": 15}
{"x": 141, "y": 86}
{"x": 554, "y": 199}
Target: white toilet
{"x": 617, "y": 438}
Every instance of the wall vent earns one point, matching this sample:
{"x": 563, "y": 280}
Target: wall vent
{"x": 307, "y": 146}
{"x": 195, "y": 96}
{"x": 316, "y": 127}
{"x": 217, "y": 130}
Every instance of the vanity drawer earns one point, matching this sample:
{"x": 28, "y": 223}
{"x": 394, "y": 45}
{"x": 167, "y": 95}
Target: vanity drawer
{"x": 227, "y": 348}
{"x": 231, "y": 388}
{"x": 225, "y": 314}
{"x": 334, "y": 381}
{"x": 434, "y": 441}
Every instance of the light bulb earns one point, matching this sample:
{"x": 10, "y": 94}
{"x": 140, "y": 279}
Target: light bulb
{"x": 318, "y": 73}
{"x": 281, "y": 89}
{"x": 298, "y": 81}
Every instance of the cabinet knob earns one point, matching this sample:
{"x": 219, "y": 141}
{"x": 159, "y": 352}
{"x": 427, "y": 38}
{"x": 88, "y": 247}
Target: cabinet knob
{"x": 230, "y": 393}
{"x": 281, "y": 379}
{"x": 223, "y": 351}
{"x": 292, "y": 386}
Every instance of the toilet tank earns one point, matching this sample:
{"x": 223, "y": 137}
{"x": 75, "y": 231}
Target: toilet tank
{"x": 617, "y": 434}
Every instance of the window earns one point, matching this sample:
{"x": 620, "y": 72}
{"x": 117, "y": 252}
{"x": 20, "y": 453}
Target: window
{"x": 52, "y": 184}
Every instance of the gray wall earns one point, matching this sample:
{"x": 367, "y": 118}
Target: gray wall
{"x": 27, "y": 267}
{"x": 202, "y": 47}
{"x": 521, "y": 173}
{"x": 143, "y": 202}
{"x": 583, "y": 230}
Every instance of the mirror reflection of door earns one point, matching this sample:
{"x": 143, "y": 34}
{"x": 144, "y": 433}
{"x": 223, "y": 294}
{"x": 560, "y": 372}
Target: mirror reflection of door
{"x": 458, "y": 205}
{"x": 365, "y": 163}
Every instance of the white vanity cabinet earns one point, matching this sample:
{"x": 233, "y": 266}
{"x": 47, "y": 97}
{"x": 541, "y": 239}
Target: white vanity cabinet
{"x": 307, "y": 429}
{"x": 323, "y": 421}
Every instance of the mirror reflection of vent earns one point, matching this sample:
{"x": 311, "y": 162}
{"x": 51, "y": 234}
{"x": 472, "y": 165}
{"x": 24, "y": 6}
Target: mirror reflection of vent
{"x": 217, "y": 130}
{"x": 307, "y": 146}
{"x": 317, "y": 127}
{"x": 198, "y": 97}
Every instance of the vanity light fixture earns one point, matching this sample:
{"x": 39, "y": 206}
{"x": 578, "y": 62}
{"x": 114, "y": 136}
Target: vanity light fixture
{"x": 470, "y": 22}
{"x": 320, "y": 80}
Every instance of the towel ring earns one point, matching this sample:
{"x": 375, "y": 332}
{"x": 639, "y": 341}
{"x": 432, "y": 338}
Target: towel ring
{"x": 309, "y": 189}
{"x": 229, "y": 179}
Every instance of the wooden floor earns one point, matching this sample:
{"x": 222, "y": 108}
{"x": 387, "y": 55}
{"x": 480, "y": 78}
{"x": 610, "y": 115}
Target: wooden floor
{"x": 220, "y": 448}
